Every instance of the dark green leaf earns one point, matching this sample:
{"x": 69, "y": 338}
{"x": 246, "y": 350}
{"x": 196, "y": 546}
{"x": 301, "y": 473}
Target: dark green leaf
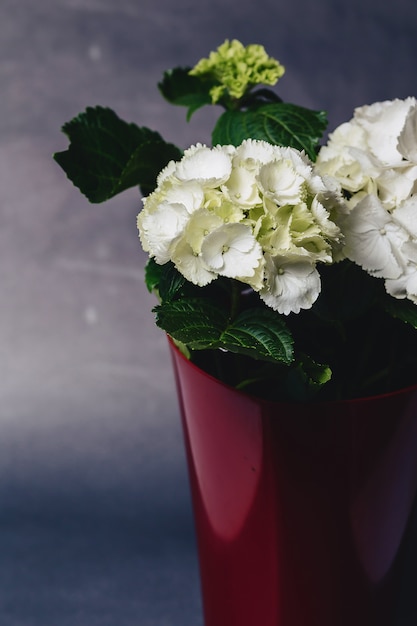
{"x": 195, "y": 322}
{"x": 261, "y": 334}
{"x": 315, "y": 373}
{"x": 107, "y": 155}
{"x": 178, "y": 87}
{"x": 404, "y": 310}
{"x": 153, "y": 273}
{"x": 306, "y": 378}
{"x": 279, "y": 123}
{"x": 145, "y": 164}
{"x": 200, "y": 324}
{"x": 170, "y": 282}
{"x": 164, "y": 279}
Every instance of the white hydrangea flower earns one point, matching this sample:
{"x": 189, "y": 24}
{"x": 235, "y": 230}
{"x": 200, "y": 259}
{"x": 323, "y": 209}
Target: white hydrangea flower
{"x": 210, "y": 167}
{"x": 405, "y": 286}
{"x": 191, "y": 264}
{"x": 299, "y": 160}
{"x": 160, "y": 229}
{"x": 374, "y": 153}
{"x": 395, "y": 186}
{"x": 242, "y": 187}
{"x": 292, "y": 284}
{"x": 232, "y": 251}
{"x": 281, "y": 182}
{"x": 233, "y": 212}
{"x": 383, "y": 123}
{"x": 374, "y": 159}
{"x": 201, "y": 224}
{"x": 253, "y": 153}
{"x": 322, "y": 218}
{"x": 373, "y": 239}
{"x": 166, "y": 173}
{"x": 406, "y": 215}
{"x": 190, "y": 194}
{"x": 407, "y": 139}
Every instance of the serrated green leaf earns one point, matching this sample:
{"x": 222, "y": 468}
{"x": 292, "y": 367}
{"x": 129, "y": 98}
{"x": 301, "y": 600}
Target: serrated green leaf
{"x": 170, "y": 282}
{"x": 306, "y": 378}
{"x": 201, "y": 325}
{"x": 196, "y": 322}
{"x": 279, "y": 123}
{"x": 315, "y": 373}
{"x": 107, "y": 155}
{"x": 179, "y": 88}
{"x": 145, "y": 164}
{"x": 404, "y": 310}
{"x": 261, "y": 334}
{"x": 164, "y": 279}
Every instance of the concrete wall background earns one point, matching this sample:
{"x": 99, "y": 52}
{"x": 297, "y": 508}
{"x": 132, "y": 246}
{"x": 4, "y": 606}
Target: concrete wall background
{"x": 95, "y": 520}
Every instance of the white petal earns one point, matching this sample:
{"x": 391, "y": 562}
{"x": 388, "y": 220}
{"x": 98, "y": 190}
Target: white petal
{"x": 232, "y": 251}
{"x": 373, "y": 240}
{"x": 406, "y": 215}
{"x": 191, "y": 265}
{"x": 210, "y": 167}
{"x": 160, "y": 229}
{"x": 395, "y": 186}
{"x": 405, "y": 286}
{"x": 190, "y": 194}
{"x": 291, "y": 285}
{"x": 200, "y": 224}
{"x": 383, "y": 123}
{"x": 242, "y": 187}
{"x": 253, "y": 153}
{"x": 281, "y": 182}
{"x": 407, "y": 140}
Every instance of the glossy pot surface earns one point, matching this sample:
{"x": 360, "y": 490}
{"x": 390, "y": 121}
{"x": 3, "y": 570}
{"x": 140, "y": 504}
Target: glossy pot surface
{"x": 301, "y": 510}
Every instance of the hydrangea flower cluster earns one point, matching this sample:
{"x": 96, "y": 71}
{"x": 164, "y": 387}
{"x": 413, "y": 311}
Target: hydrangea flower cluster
{"x": 238, "y": 68}
{"x": 275, "y": 216}
{"x": 374, "y": 158}
{"x": 257, "y": 213}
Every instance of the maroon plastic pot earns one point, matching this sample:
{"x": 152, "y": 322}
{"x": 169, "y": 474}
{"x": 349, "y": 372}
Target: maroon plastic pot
{"x": 301, "y": 510}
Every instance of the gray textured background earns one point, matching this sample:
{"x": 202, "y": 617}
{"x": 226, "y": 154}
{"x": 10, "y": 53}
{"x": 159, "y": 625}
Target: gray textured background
{"x": 95, "y": 520}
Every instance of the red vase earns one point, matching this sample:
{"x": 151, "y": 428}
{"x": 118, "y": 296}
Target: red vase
{"x": 301, "y": 510}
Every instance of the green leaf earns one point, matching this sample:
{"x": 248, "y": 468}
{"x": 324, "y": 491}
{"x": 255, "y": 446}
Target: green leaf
{"x": 170, "y": 282}
{"x": 153, "y": 273}
{"x": 107, "y": 155}
{"x": 195, "y": 322}
{"x": 279, "y": 123}
{"x": 145, "y": 164}
{"x": 306, "y": 378}
{"x": 178, "y": 87}
{"x": 404, "y": 310}
{"x": 200, "y": 324}
{"x": 261, "y": 334}
{"x": 315, "y": 373}
{"x": 163, "y": 279}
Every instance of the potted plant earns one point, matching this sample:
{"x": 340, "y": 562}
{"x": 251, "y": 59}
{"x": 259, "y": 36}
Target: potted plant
{"x": 285, "y": 273}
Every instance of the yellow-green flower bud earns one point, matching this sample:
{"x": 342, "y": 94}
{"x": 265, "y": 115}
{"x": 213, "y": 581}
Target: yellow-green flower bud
{"x": 237, "y": 69}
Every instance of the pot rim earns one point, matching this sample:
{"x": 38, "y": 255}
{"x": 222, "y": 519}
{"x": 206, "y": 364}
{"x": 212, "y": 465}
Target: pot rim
{"x": 390, "y": 394}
